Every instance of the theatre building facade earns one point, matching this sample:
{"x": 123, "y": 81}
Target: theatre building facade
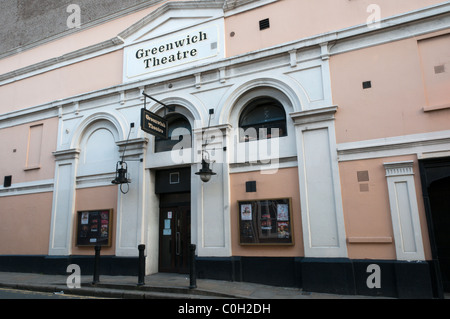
{"x": 326, "y": 128}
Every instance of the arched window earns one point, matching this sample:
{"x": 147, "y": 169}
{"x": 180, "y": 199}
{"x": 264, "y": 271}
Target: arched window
{"x": 260, "y": 118}
{"x": 179, "y": 132}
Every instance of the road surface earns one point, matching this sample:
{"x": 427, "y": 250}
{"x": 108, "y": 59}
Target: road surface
{"x": 8, "y": 293}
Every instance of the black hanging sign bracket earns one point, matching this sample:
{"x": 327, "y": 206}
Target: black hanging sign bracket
{"x": 152, "y": 123}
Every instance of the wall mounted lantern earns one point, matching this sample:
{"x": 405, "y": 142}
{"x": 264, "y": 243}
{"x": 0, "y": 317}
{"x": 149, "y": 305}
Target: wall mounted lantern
{"x": 121, "y": 175}
{"x": 205, "y": 172}
{"x": 122, "y": 169}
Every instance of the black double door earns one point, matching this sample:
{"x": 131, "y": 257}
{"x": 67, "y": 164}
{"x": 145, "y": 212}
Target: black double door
{"x": 173, "y": 186}
{"x": 174, "y": 239}
{"x": 439, "y": 195}
{"x": 435, "y": 177}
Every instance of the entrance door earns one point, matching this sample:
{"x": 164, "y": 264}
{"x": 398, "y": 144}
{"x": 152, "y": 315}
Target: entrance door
{"x": 435, "y": 178}
{"x": 439, "y": 195}
{"x": 174, "y": 189}
{"x": 174, "y": 239}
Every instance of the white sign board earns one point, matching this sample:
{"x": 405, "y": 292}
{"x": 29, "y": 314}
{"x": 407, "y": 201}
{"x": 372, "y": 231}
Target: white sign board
{"x": 168, "y": 52}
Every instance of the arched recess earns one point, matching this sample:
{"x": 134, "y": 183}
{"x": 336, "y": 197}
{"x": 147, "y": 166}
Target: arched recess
{"x": 97, "y": 138}
{"x": 254, "y": 93}
{"x": 289, "y": 94}
{"x": 116, "y": 123}
{"x": 267, "y": 150}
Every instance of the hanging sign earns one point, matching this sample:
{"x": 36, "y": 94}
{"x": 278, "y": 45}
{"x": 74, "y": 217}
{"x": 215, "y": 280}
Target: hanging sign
{"x": 154, "y": 124}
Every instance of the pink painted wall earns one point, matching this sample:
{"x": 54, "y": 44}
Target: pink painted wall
{"x": 89, "y": 75}
{"x": 293, "y": 19}
{"x": 93, "y": 199}
{"x": 284, "y": 184}
{"x": 14, "y": 149}
{"x": 395, "y": 104}
{"x": 25, "y": 224}
{"x": 367, "y": 213}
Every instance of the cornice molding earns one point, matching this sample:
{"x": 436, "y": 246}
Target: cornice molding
{"x": 69, "y": 154}
{"x": 424, "y": 144}
{"x": 399, "y": 168}
{"x": 313, "y": 116}
{"x": 34, "y": 187}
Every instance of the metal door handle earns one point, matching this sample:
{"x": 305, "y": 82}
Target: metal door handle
{"x": 178, "y": 237}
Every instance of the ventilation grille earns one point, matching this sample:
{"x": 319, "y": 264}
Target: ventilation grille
{"x": 264, "y": 24}
{"x": 250, "y": 187}
{"x": 7, "y": 181}
{"x": 367, "y": 85}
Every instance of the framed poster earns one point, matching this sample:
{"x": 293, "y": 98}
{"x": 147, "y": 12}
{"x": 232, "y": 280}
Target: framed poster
{"x": 267, "y": 221}
{"x": 94, "y": 227}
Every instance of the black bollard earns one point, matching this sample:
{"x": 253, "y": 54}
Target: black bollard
{"x": 192, "y": 271}
{"x": 141, "y": 273}
{"x": 96, "y": 265}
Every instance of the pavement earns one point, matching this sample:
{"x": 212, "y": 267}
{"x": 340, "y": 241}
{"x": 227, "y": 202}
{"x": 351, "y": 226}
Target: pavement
{"x": 159, "y": 286}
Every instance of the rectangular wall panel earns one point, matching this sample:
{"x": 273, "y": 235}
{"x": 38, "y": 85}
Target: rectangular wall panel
{"x": 404, "y": 210}
{"x": 62, "y": 211}
{"x": 405, "y": 217}
{"x": 319, "y": 187}
{"x": 34, "y": 146}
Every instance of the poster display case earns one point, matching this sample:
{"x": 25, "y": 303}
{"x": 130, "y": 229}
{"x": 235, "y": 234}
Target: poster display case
{"x": 266, "y": 222}
{"x": 94, "y": 227}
